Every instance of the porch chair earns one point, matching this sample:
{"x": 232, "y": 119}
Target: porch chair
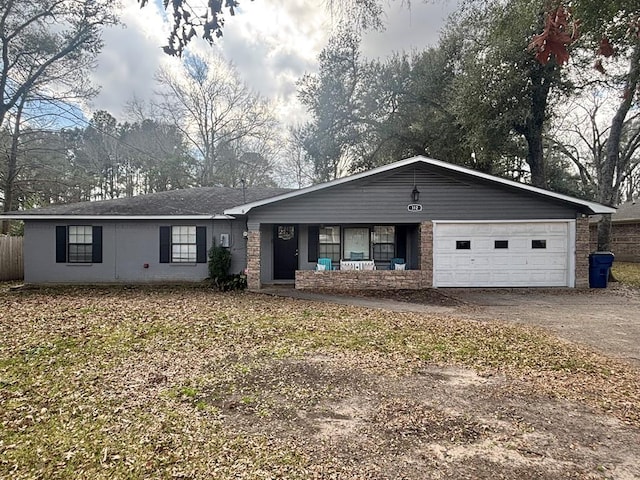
{"x": 326, "y": 263}
{"x": 396, "y": 261}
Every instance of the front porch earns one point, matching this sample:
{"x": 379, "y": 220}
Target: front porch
{"x": 289, "y": 254}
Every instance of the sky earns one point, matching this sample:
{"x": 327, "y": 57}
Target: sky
{"x": 272, "y": 44}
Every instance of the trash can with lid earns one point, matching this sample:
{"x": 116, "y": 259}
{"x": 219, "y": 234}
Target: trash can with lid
{"x": 599, "y": 266}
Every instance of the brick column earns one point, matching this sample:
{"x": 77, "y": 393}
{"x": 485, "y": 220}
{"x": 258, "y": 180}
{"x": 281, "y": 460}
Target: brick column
{"x": 253, "y": 260}
{"x": 425, "y": 253}
{"x": 582, "y": 252}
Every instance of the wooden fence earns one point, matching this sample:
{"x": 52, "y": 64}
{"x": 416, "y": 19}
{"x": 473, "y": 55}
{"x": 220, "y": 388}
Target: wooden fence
{"x": 11, "y": 260}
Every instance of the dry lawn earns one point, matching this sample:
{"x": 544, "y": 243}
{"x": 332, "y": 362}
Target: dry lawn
{"x": 128, "y": 383}
{"x": 627, "y": 273}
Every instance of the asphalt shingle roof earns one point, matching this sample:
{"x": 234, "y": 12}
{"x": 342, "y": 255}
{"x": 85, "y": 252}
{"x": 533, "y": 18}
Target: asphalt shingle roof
{"x": 190, "y": 201}
{"x": 627, "y": 212}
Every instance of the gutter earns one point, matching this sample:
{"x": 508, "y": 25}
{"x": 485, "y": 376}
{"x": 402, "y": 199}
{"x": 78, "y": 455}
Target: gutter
{"x": 114, "y": 217}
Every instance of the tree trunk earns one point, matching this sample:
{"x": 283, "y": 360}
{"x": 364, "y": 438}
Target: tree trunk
{"x": 541, "y": 80}
{"x": 12, "y": 166}
{"x": 535, "y": 156}
{"x": 607, "y": 192}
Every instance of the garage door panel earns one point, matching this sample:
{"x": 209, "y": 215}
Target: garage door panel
{"x": 517, "y": 265}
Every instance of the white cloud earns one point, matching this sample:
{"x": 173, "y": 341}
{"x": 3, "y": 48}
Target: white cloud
{"x": 407, "y": 29}
{"x": 272, "y": 44}
{"x": 131, "y": 55}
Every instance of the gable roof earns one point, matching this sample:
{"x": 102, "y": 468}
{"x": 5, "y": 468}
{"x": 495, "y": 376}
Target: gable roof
{"x": 192, "y": 203}
{"x": 592, "y": 207}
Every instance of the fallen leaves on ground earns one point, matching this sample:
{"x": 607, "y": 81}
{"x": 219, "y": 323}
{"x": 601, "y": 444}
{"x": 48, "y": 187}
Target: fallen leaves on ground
{"x": 181, "y": 382}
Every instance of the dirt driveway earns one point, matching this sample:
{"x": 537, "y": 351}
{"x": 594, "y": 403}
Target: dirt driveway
{"x": 608, "y": 319}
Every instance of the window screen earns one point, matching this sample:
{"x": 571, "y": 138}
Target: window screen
{"x": 329, "y": 243}
{"x": 183, "y": 244}
{"x": 80, "y": 244}
{"x": 384, "y": 245}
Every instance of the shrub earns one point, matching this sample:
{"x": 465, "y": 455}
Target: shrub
{"x": 219, "y": 264}
{"x": 232, "y": 282}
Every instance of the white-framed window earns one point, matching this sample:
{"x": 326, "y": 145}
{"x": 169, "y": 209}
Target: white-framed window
{"x": 383, "y": 238}
{"x": 329, "y": 243}
{"x": 80, "y": 244}
{"x": 183, "y": 244}
{"x": 356, "y": 243}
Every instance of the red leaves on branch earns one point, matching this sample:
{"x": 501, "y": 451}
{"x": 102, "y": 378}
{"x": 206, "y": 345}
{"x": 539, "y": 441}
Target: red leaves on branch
{"x": 560, "y": 31}
{"x": 605, "y": 49}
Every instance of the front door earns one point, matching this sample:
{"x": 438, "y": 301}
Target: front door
{"x": 285, "y": 252}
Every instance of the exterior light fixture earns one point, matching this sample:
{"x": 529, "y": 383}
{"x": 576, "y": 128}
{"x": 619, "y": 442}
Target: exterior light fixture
{"x": 415, "y": 194}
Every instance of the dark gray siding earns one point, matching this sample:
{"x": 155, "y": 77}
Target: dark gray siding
{"x": 383, "y": 198}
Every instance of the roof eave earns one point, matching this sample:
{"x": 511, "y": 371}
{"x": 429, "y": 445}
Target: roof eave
{"x": 114, "y": 217}
{"x": 594, "y": 208}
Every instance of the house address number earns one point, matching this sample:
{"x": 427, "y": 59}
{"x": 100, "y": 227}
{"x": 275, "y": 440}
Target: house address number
{"x": 414, "y": 207}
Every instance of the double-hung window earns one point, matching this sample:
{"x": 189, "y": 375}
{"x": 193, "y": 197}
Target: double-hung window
{"x": 329, "y": 243}
{"x": 183, "y": 244}
{"x": 384, "y": 244}
{"x": 78, "y": 244}
{"x": 186, "y": 244}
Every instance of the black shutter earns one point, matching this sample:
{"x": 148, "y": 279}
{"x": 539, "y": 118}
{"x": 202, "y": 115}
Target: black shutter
{"x": 96, "y": 248}
{"x": 61, "y": 244}
{"x": 314, "y": 236}
{"x": 165, "y": 244}
{"x": 201, "y": 244}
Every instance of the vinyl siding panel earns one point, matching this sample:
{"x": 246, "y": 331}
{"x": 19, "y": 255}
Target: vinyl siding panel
{"x": 126, "y": 247}
{"x": 384, "y": 198}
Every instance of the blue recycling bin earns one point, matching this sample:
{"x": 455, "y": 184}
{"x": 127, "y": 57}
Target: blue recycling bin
{"x": 599, "y": 266}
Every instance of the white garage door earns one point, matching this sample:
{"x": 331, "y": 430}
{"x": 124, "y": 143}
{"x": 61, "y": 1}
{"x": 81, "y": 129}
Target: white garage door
{"x": 503, "y": 254}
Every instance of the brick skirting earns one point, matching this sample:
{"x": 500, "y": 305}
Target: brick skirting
{"x": 363, "y": 279}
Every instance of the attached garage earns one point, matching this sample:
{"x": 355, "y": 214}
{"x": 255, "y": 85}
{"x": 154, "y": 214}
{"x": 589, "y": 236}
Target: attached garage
{"x": 443, "y": 225}
{"x": 504, "y": 254}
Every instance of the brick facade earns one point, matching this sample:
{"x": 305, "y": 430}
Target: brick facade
{"x": 253, "y": 260}
{"x": 425, "y": 253}
{"x": 582, "y": 253}
{"x": 625, "y": 240}
{"x": 363, "y": 279}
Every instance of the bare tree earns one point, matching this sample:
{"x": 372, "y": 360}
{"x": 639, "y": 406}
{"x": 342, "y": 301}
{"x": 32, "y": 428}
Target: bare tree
{"x": 296, "y": 167}
{"x": 584, "y": 137}
{"x": 42, "y": 38}
{"x": 46, "y": 48}
{"x": 209, "y": 103}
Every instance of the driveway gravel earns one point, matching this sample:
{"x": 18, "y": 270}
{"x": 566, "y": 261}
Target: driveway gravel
{"x": 607, "y": 319}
